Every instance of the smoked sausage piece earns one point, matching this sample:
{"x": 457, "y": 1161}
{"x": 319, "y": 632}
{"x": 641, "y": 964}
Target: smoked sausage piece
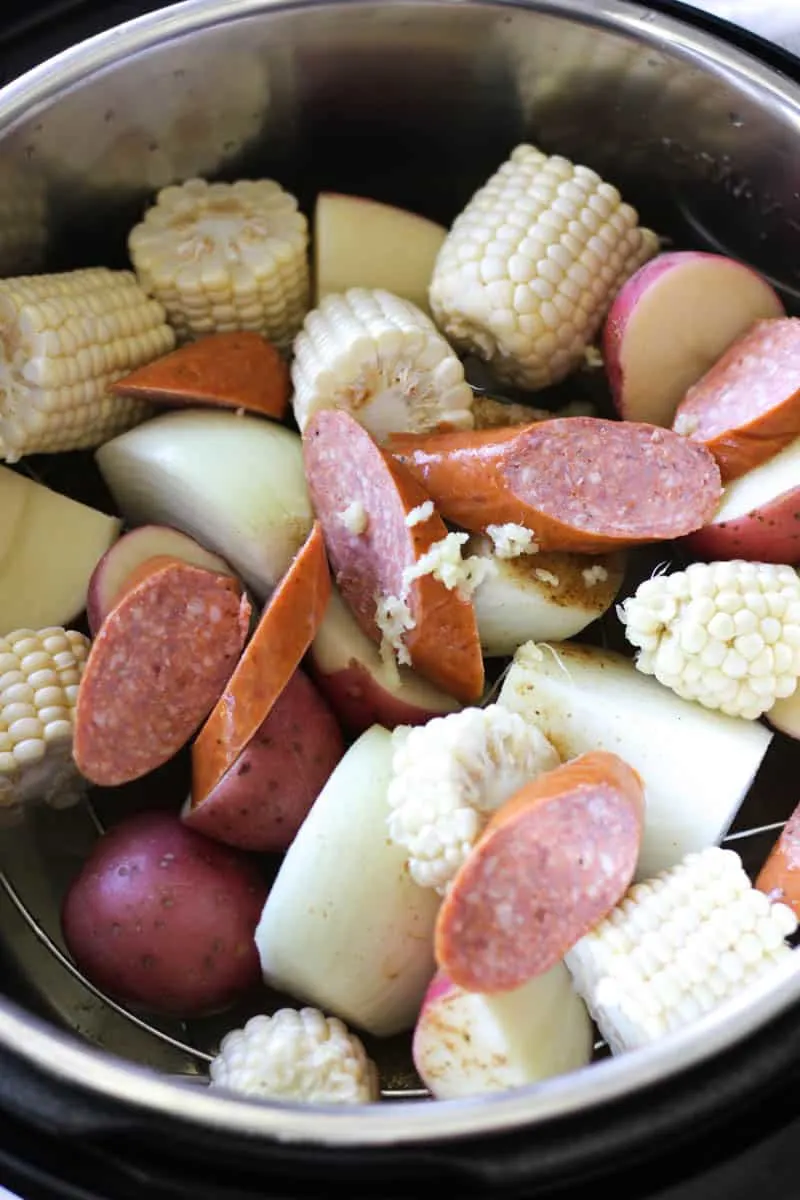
{"x": 583, "y": 484}
{"x": 747, "y": 407}
{"x": 780, "y": 875}
{"x": 362, "y": 498}
{"x": 156, "y": 668}
{"x": 287, "y": 627}
{"x": 230, "y": 370}
{"x": 551, "y": 863}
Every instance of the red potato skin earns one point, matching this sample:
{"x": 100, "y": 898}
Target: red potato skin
{"x": 261, "y": 802}
{"x": 623, "y": 309}
{"x": 779, "y": 878}
{"x": 361, "y": 702}
{"x": 533, "y": 884}
{"x": 163, "y": 918}
{"x": 769, "y": 534}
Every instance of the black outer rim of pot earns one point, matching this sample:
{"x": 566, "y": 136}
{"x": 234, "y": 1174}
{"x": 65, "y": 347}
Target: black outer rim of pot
{"x": 60, "y": 1141}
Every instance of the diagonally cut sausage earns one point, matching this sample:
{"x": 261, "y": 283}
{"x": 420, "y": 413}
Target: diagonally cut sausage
{"x": 349, "y": 476}
{"x": 780, "y": 875}
{"x": 287, "y": 627}
{"x": 583, "y": 484}
{"x": 747, "y": 407}
{"x": 156, "y": 668}
{"x": 231, "y": 370}
{"x": 551, "y": 863}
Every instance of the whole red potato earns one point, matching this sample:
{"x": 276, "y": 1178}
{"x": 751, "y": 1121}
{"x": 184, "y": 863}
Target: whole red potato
{"x": 163, "y": 918}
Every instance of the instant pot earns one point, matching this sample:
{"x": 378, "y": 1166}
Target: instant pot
{"x": 415, "y": 101}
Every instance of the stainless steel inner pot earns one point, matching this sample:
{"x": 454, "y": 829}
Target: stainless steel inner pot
{"x": 414, "y": 101}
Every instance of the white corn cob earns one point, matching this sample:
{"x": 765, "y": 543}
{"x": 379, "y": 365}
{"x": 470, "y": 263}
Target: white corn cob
{"x": 63, "y": 340}
{"x": 530, "y": 267}
{"x": 296, "y": 1055}
{"x": 39, "y": 677}
{"x": 726, "y": 634}
{"x": 450, "y": 775}
{"x": 382, "y": 359}
{"x": 225, "y": 256}
{"x": 676, "y": 947}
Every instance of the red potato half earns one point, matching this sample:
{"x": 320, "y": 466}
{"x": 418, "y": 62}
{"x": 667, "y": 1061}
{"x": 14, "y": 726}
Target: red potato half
{"x": 163, "y": 918}
{"x": 467, "y": 1044}
{"x": 129, "y": 553}
{"x": 362, "y": 689}
{"x": 758, "y": 518}
{"x": 670, "y": 323}
{"x": 261, "y": 802}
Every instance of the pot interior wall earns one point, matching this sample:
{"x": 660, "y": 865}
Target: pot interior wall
{"x": 415, "y": 103}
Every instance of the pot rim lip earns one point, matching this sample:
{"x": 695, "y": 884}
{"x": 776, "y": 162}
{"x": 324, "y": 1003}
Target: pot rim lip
{"x": 59, "y": 1054}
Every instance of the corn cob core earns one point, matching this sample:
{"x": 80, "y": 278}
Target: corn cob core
{"x": 450, "y": 775}
{"x": 296, "y": 1055}
{"x": 39, "y": 677}
{"x": 725, "y": 634}
{"x": 63, "y": 340}
{"x": 382, "y": 359}
{"x": 528, "y": 270}
{"x": 225, "y": 256}
{"x": 677, "y": 947}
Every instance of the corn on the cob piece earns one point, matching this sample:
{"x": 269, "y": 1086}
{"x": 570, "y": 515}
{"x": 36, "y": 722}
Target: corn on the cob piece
{"x": 726, "y": 634}
{"x": 676, "y": 947}
{"x": 529, "y": 268}
{"x": 296, "y": 1055}
{"x": 63, "y": 340}
{"x": 450, "y": 775}
{"x": 39, "y": 677}
{"x": 225, "y": 256}
{"x": 382, "y": 359}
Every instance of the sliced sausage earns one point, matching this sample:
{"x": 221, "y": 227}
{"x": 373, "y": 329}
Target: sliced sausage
{"x": 156, "y": 668}
{"x": 551, "y": 863}
{"x": 261, "y": 802}
{"x": 747, "y": 407}
{"x": 347, "y": 472}
{"x": 578, "y": 483}
{"x": 780, "y": 875}
{"x": 230, "y": 370}
{"x": 287, "y": 627}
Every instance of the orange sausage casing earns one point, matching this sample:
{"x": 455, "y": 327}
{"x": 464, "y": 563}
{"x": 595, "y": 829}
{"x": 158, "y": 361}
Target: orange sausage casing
{"x": 231, "y": 370}
{"x": 287, "y": 627}
{"x": 780, "y": 875}
{"x": 551, "y": 863}
{"x": 747, "y": 407}
{"x": 345, "y": 467}
{"x": 156, "y": 668}
{"x": 582, "y": 484}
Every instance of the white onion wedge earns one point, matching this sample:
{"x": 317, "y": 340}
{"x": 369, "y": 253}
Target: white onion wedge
{"x": 467, "y": 1044}
{"x": 233, "y": 483}
{"x": 541, "y": 597}
{"x": 345, "y": 928}
{"x": 696, "y": 764}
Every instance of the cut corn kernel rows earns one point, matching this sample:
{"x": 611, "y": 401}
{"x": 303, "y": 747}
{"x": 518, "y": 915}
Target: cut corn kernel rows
{"x": 529, "y": 268}
{"x": 63, "y": 340}
{"x": 39, "y": 677}
{"x": 676, "y": 947}
{"x": 225, "y": 256}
